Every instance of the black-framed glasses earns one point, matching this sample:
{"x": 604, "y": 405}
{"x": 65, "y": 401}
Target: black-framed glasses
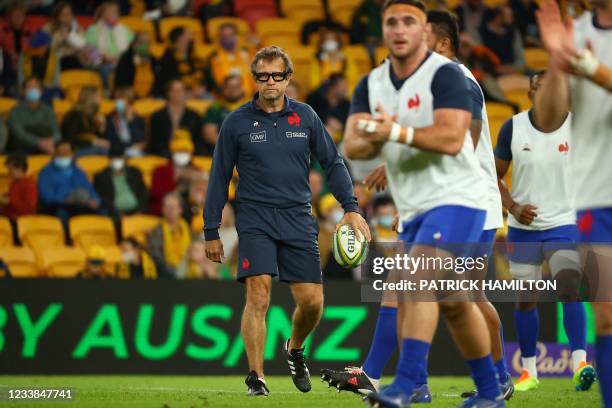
{"x": 276, "y": 76}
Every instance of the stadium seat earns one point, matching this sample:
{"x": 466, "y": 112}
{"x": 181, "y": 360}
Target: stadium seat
{"x": 359, "y": 54}
{"x": 255, "y": 11}
{"x": 5, "y": 179}
{"x": 147, "y": 106}
{"x": 380, "y": 55}
{"x": 203, "y": 51}
{"x": 6, "y": 104}
{"x": 157, "y": 49}
{"x": 86, "y": 230}
{"x": 301, "y": 15}
{"x": 63, "y": 262}
{"x": 6, "y": 232}
{"x": 191, "y": 24}
{"x": 200, "y": 106}
{"x": 536, "y": 58}
{"x": 212, "y": 27}
{"x": 137, "y": 24}
{"x": 92, "y": 165}
{"x": 137, "y": 226}
{"x": 499, "y": 111}
{"x": 107, "y": 106}
{"x": 146, "y": 165}
{"x": 36, "y": 162}
{"x": 85, "y": 21}
{"x": 343, "y": 10}
{"x": 245, "y": 6}
{"x": 202, "y": 162}
{"x": 288, "y": 6}
{"x": 61, "y": 107}
{"x": 302, "y": 57}
{"x": 283, "y": 41}
{"x": 72, "y": 80}
{"x": 277, "y": 27}
{"x": 513, "y": 82}
{"x": 20, "y": 260}
{"x": 520, "y": 97}
{"x": 39, "y": 232}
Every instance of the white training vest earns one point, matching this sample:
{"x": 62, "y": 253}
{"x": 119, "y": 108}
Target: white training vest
{"x": 484, "y": 153}
{"x": 421, "y": 180}
{"x": 541, "y": 173}
{"x": 591, "y": 154}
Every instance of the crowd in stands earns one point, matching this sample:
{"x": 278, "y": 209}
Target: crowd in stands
{"x": 112, "y": 108}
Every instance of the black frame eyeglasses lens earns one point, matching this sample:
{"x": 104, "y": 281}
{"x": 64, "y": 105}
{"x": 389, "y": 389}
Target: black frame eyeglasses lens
{"x": 276, "y": 76}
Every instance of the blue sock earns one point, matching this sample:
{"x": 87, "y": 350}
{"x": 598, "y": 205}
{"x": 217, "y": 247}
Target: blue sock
{"x": 412, "y": 361}
{"x": 485, "y": 377}
{"x": 527, "y": 328}
{"x": 500, "y": 366}
{"x": 422, "y": 377}
{"x": 574, "y": 322}
{"x": 603, "y": 357}
{"x": 384, "y": 342}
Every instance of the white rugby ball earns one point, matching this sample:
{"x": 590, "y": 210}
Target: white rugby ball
{"x": 350, "y": 248}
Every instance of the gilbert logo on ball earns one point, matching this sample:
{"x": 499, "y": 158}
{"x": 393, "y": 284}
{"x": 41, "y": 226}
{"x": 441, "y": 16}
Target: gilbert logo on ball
{"x": 350, "y": 248}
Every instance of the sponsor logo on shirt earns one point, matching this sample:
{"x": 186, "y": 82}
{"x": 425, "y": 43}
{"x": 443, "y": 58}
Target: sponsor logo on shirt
{"x": 526, "y": 147}
{"x": 246, "y": 264}
{"x": 256, "y": 124}
{"x": 415, "y": 102}
{"x": 258, "y": 137}
{"x": 296, "y": 134}
{"x": 564, "y": 147}
{"x": 294, "y": 119}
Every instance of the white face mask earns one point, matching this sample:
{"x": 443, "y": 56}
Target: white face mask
{"x": 129, "y": 257}
{"x": 330, "y": 46}
{"x": 181, "y": 159}
{"x": 117, "y": 164}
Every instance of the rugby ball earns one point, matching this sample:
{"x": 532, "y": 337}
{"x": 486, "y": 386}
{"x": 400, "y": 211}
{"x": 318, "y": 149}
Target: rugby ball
{"x": 350, "y": 248}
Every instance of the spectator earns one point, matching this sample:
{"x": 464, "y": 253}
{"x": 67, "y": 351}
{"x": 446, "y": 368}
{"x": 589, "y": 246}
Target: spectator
{"x": 22, "y": 196}
{"x": 3, "y": 135}
{"x": 8, "y": 76}
{"x": 230, "y": 59}
{"x": 137, "y": 68}
{"x": 175, "y": 175}
{"x": 14, "y": 33}
{"x": 121, "y": 187}
{"x": 109, "y": 38}
{"x": 501, "y": 37}
{"x": 174, "y": 116}
{"x": 169, "y": 241}
{"x": 96, "y": 266}
{"x": 63, "y": 187}
{"x": 471, "y": 15}
{"x": 525, "y": 21}
{"x": 196, "y": 198}
{"x": 32, "y": 125}
{"x": 123, "y": 126}
{"x": 384, "y": 212}
{"x": 135, "y": 261}
{"x": 84, "y": 125}
{"x": 366, "y": 26}
{"x": 196, "y": 265}
{"x": 180, "y": 62}
{"x": 232, "y": 97}
{"x": 331, "y": 60}
{"x": 67, "y": 37}
{"x": 331, "y": 103}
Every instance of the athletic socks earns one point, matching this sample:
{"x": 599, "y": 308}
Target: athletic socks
{"x": 384, "y": 342}
{"x": 485, "y": 377}
{"x": 500, "y": 366}
{"x": 527, "y": 327}
{"x": 603, "y": 356}
{"x": 574, "y": 322}
{"x": 412, "y": 362}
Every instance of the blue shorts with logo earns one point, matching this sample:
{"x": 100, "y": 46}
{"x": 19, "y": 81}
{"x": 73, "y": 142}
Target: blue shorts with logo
{"x": 281, "y": 242}
{"x": 595, "y": 225}
{"x": 449, "y": 227}
{"x": 485, "y": 243}
{"x": 530, "y": 247}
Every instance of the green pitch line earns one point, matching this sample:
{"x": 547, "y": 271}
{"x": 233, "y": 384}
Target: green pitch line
{"x": 230, "y": 391}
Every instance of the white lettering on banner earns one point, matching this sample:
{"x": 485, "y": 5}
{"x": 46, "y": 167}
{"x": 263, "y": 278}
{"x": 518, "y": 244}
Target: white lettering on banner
{"x": 296, "y": 134}
{"x": 258, "y": 137}
{"x": 544, "y": 363}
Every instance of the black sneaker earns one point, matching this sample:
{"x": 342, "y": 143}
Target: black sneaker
{"x": 507, "y": 390}
{"x": 297, "y": 365}
{"x": 350, "y": 379}
{"x": 256, "y": 385}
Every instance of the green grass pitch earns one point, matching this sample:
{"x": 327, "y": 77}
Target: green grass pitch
{"x": 225, "y": 391}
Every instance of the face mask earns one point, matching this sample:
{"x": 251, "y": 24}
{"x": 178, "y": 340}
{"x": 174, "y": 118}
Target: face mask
{"x": 181, "y": 159}
{"x": 330, "y": 46}
{"x": 336, "y": 216}
{"x": 228, "y": 44}
{"x": 129, "y": 257}
{"x": 32, "y": 95}
{"x": 117, "y": 164}
{"x": 385, "y": 221}
{"x": 120, "y": 105}
{"x": 63, "y": 162}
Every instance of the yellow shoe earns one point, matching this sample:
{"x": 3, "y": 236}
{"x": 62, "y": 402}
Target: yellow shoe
{"x": 526, "y": 382}
{"x": 584, "y": 377}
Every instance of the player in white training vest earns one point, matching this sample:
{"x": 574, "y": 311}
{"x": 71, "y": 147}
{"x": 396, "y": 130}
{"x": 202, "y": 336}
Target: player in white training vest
{"x": 585, "y": 52}
{"x": 542, "y": 226}
{"x": 415, "y": 110}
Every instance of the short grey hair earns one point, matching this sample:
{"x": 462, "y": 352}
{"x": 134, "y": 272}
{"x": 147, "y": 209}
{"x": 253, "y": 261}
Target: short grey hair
{"x": 271, "y": 53}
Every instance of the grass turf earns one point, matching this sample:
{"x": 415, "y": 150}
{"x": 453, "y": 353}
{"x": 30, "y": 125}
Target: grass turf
{"x": 226, "y": 391}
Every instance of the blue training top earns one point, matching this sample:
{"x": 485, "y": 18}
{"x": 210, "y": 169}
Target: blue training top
{"x": 271, "y": 152}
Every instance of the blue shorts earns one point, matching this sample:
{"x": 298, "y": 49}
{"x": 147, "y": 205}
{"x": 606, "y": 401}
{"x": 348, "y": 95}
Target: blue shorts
{"x": 530, "y": 247}
{"x": 595, "y": 225}
{"x": 278, "y": 242}
{"x": 447, "y": 227}
{"x": 485, "y": 243}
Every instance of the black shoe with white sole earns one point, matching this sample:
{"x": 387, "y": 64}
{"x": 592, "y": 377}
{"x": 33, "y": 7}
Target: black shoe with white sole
{"x": 257, "y": 386}
{"x": 297, "y": 365}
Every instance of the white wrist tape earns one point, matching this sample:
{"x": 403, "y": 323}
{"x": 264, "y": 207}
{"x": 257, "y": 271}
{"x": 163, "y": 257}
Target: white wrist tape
{"x": 396, "y": 130}
{"x": 362, "y": 123}
{"x": 371, "y": 126}
{"x": 586, "y": 63}
{"x": 409, "y": 135}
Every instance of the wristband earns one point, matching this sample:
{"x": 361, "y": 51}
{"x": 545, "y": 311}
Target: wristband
{"x": 409, "y": 135}
{"x": 396, "y": 131}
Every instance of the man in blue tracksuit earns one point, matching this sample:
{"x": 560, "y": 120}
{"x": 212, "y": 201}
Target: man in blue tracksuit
{"x": 270, "y": 140}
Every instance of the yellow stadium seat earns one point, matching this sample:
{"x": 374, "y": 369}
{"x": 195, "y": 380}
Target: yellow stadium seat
{"x": 86, "y": 230}
{"x": 78, "y": 78}
{"x": 536, "y": 58}
{"x": 63, "y": 262}
{"x": 381, "y": 54}
{"x": 36, "y": 162}
{"x": 39, "y": 232}
{"x": 343, "y": 10}
{"x": 202, "y": 162}
{"x": 213, "y": 24}
{"x": 6, "y": 232}
{"x": 285, "y": 42}
{"x": 5, "y": 179}
{"x": 191, "y": 24}
{"x": 520, "y": 98}
{"x": 304, "y": 14}
{"x": 494, "y": 3}
{"x": 107, "y": 106}
{"x": 302, "y": 57}
{"x": 203, "y": 51}
{"x": 359, "y": 54}
{"x": 499, "y": 111}
{"x": 6, "y": 104}
{"x": 92, "y": 165}
{"x": 200, "y": 106}
{"x": 145, "y": 107}
{"x": 157, "y": 49}
{"x": 146, "y": 165}
{"x": 138, "y": 24}
{"x": 61, "y": 107}
{"x": 277, "y": 27}
{"x": 20, "y": 260}
{"x": 288, "y": 6}
{"x": 513, "y": 82}
{"x": 137, "y": 226}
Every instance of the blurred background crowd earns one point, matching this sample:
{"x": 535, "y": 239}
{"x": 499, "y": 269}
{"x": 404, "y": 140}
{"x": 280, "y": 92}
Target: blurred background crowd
{"x": 110, "y": 111}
